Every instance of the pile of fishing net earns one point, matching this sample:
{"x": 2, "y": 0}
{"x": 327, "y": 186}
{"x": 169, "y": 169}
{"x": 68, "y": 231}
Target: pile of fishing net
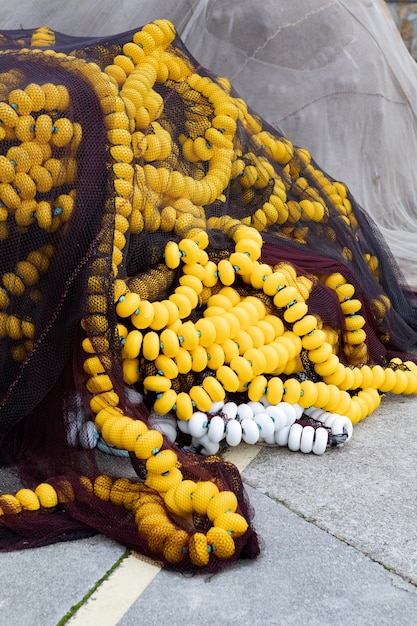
{"x": 176, "y": 276}
{"x": 304, "y": 67}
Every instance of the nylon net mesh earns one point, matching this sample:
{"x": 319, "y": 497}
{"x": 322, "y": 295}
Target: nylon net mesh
{"x": 163, "y": 250}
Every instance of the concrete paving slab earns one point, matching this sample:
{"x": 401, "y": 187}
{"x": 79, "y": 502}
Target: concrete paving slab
{"x": 304, "y": 575}
{"x": 39, "y": 586}
{"x": 364, "y": 493}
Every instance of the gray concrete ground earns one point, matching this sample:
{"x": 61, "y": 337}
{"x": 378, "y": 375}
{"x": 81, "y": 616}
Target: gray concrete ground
{"x": 339, "y": 547}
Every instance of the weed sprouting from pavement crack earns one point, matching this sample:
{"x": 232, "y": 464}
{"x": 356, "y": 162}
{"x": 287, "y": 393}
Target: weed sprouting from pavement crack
{"x": 75, "y": 607}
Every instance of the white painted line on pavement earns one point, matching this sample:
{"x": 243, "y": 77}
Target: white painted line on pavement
{"x": 107, "y": 605}
{"x": 242, "y": 455}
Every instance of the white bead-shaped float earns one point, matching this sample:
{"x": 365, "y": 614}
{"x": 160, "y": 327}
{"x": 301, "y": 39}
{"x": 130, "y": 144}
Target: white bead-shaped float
{"x": 261, "y": 422}
{"x": 250, "y": 431}
{"x": 198, "y": 424}
{"x": 233, "y": 433}
{"x": 216, "y": 429}
{"x": 265, "y": 426}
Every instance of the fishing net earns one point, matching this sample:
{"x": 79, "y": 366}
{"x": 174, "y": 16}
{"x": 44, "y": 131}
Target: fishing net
{"x": 303, "y": 67}
{"x": 175, "y": 273}
{"x": 349, "y": 64}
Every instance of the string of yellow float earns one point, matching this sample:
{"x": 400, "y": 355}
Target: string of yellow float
{"x": 139, "y": 137}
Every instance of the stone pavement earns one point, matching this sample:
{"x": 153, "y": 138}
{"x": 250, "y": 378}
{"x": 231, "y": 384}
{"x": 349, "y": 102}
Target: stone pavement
{"x": 339, "y": 546}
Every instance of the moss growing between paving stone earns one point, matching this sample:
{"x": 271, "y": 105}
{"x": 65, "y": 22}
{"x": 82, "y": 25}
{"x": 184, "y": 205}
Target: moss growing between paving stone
{"x": 75, "y": 607}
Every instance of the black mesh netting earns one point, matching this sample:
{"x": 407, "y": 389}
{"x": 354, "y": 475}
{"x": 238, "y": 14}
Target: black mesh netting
{"x": 151, "y": 225}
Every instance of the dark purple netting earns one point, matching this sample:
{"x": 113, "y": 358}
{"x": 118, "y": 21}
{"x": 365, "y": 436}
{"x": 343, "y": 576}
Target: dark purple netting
{"x": 44, "y": 386}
